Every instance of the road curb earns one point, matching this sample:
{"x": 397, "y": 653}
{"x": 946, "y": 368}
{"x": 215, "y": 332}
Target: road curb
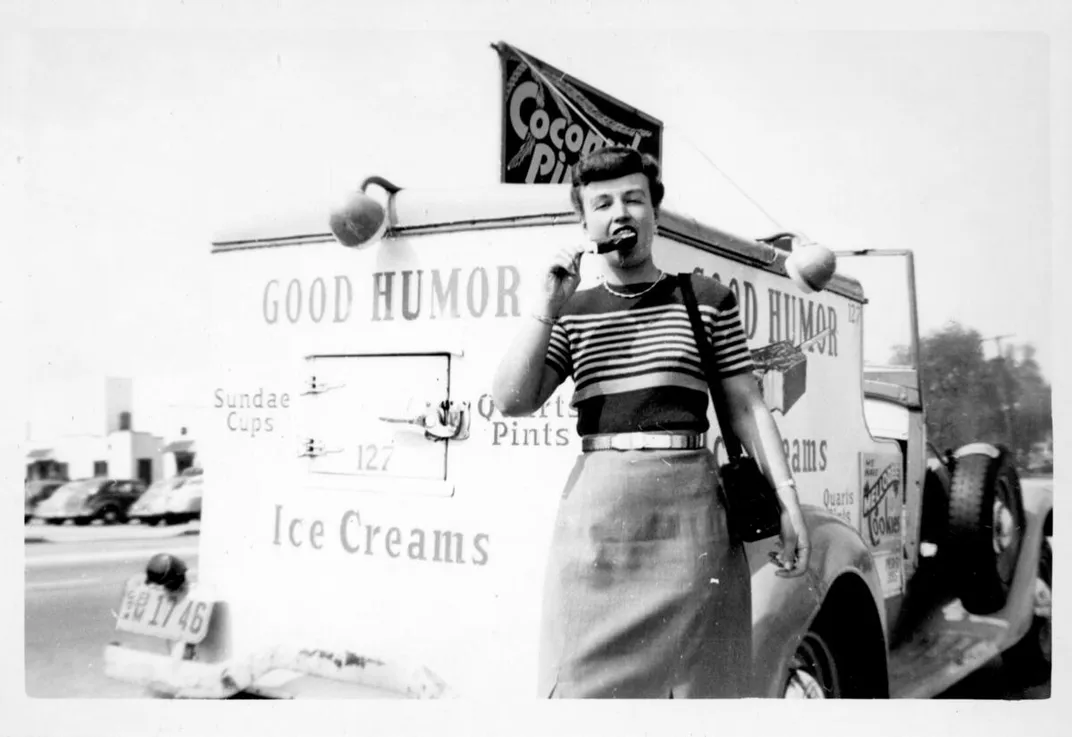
{"x": 40, "y": 538}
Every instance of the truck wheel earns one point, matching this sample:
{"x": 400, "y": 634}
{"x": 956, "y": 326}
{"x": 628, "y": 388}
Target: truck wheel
{"x": 813, "y": 672}
{"x": 986, "y": 524}
{"x": 1030, "y": 659}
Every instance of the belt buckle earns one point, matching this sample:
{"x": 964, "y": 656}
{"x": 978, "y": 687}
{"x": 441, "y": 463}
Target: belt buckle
{"x": 622, "y": 441}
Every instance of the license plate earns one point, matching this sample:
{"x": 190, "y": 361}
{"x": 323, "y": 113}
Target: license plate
{"x": 155, "y": 611}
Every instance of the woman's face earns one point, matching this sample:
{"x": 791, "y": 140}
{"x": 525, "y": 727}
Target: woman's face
{"x": 620, "y": 205}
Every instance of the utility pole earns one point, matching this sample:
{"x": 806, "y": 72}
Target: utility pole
{"x": 997, "y": 341}
{"x": 1006, "y": 407}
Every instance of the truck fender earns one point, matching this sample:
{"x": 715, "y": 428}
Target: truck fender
{"x": 972, "y": 448}
{"x": 841, "y": 574}
{"x": 934, "y": 513}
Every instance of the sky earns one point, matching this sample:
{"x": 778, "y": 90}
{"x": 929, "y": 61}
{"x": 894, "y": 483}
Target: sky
{"x": 139, "y": 137}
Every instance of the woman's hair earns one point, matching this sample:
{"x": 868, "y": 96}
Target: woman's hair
{"x": 613, "y": 162}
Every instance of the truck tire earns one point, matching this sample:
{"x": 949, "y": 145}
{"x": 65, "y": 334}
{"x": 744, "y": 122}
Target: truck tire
{"x": 843, "y": 653}
{"x": 813, "y": 670}
{"x": 986, "y": 524}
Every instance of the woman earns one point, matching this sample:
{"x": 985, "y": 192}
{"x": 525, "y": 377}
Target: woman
{"x": 645, "y": 595}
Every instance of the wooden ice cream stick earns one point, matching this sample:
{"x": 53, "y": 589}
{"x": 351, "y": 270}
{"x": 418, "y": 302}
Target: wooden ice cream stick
{"x": 818, "y": 336}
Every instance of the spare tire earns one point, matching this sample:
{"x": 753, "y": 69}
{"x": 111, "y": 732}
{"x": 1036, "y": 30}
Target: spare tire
{"x": 986, "y": 526}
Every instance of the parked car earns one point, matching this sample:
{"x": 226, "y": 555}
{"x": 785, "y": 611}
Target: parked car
{"x": 37, "y": 491}
{"x": 191, "y": 493}
{"x": 88, "y": 500}
{"x": 175, "y": 499}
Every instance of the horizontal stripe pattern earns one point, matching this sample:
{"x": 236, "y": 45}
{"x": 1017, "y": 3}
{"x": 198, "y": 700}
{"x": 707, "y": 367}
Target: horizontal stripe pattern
{"x": 649, "y": 347}
{"x": 634, "y": 362}
{"x": 621, "y": 385}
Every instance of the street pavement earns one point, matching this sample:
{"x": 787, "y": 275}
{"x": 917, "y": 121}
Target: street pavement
{"x": 73, "y": 583}
{"x": 73, "y": 588}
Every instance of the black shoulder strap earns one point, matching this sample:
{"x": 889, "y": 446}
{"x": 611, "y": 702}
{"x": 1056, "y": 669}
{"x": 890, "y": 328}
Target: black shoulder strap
{"x": 707, "y": 359}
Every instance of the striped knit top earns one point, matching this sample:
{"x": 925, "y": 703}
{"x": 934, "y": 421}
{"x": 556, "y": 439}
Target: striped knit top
{"x": 634, "y": 362}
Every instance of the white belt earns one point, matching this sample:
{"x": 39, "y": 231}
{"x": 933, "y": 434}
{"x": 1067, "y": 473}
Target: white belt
{"x": 644, "y": 441}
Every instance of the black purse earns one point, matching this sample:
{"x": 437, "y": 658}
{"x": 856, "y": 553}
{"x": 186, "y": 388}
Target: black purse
{"x": 753, "y": 511}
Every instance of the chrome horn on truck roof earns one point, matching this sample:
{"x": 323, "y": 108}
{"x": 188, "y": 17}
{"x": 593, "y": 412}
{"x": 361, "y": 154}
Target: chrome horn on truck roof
{"x": 810, "y": 265}
{"x": 361, "y": 220}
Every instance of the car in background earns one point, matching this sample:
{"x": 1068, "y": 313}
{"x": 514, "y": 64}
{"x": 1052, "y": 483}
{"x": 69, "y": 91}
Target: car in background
{"x": 171, "y": 500}
{"x": 90, "y": 500}
{"x": 37, "y": 491}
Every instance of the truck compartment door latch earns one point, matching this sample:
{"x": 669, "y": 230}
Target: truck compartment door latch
{"x": 311, "y": 448}
{"x": 445, "y": 420}
{"x": 313, "y": 387}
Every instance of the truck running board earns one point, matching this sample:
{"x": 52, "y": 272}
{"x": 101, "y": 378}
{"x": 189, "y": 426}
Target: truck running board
{"x": 950, "y": 645}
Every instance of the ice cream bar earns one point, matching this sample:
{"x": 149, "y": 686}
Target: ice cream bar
{"x": 617, "y": 242}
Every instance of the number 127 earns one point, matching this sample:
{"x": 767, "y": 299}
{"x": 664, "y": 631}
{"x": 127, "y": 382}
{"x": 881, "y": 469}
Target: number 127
{"x": 372, "y": 457}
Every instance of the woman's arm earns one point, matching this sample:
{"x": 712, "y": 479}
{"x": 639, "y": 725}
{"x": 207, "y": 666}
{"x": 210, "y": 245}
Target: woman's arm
{"x": 523, "y": 382}
{"x": 754, "y": 425}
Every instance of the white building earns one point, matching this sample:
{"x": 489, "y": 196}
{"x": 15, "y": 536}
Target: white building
{"x": 178, "y": 404}
{"x": 84, "y": 428}
{"x": 180, "y": 453}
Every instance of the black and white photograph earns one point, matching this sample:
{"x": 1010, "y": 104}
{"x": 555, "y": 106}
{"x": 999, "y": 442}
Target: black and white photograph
{"x": 493, "y": 353}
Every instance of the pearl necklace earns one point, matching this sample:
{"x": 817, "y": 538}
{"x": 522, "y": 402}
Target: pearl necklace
{"x": 641, "y": 293}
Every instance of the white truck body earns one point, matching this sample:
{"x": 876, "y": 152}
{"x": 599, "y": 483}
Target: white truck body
{"x": 346, "y": 549}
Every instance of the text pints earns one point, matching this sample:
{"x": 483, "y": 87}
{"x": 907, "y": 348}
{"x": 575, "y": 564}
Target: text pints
{"x": 544, "y": 428}
{"x": 405, "y": 295}
{"x": 357, "y": 538}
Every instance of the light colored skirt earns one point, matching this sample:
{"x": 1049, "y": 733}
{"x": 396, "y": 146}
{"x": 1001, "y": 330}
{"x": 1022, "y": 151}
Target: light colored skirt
{"x": 644, "y": 595}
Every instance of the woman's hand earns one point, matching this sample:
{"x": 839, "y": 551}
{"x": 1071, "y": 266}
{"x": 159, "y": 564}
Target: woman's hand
{"x": 563, "y": 277}
{"x": 795, "y": 551}
{"x": 755, "y": 426}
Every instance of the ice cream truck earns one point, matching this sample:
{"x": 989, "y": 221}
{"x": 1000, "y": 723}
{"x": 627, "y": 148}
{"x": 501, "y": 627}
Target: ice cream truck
{"x": 375, "y": 527}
